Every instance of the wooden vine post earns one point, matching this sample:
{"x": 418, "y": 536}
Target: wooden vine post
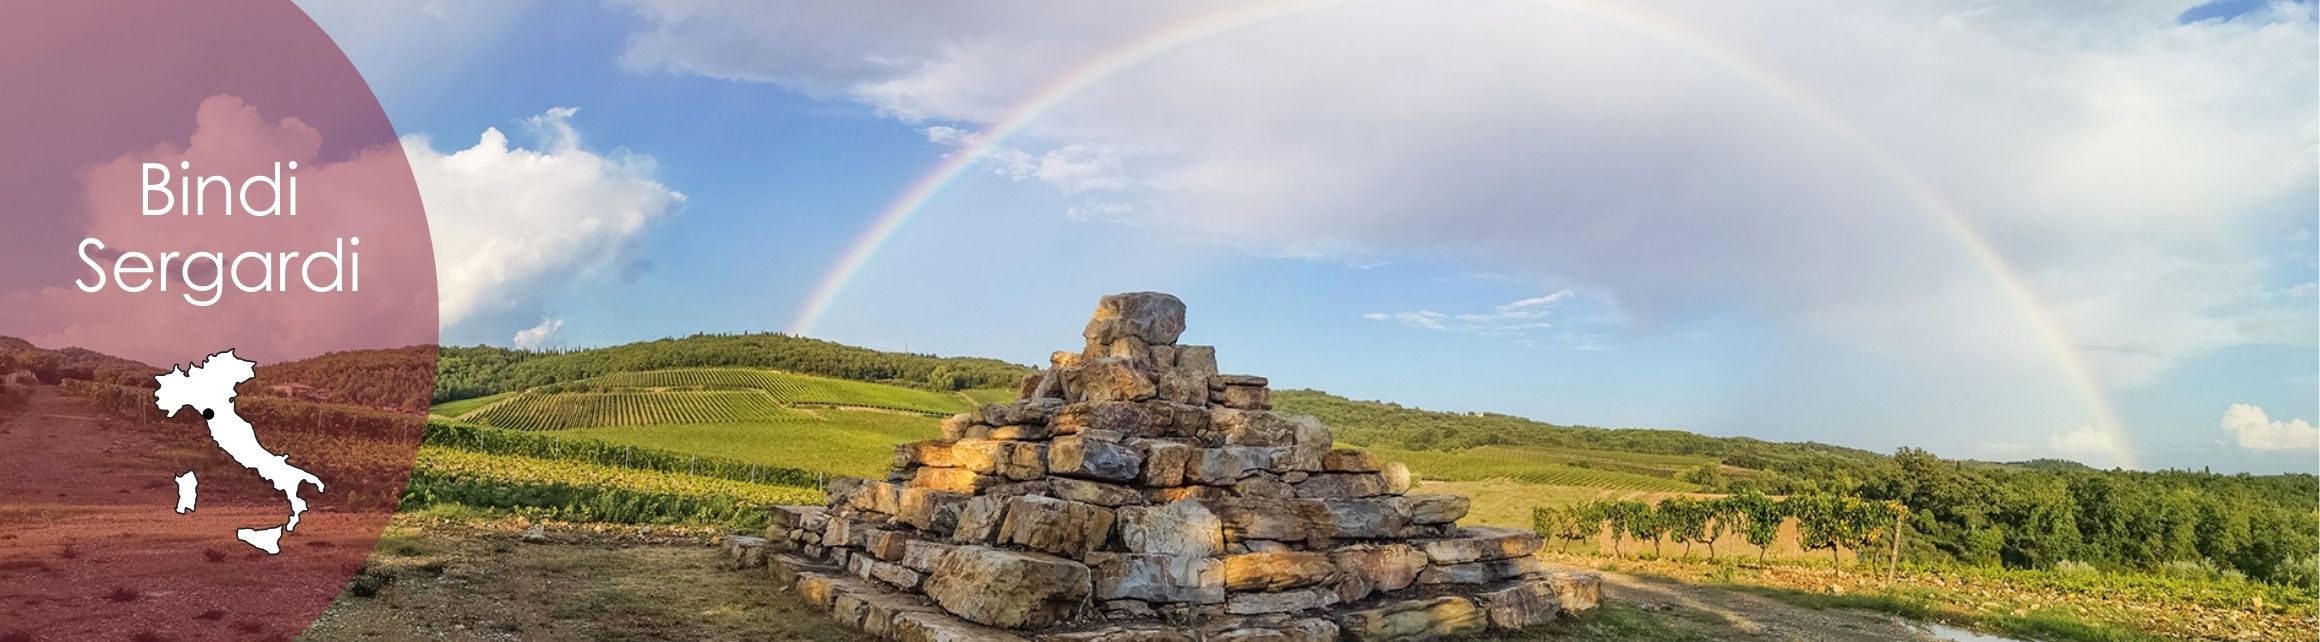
{"x": 1893, "y": 567}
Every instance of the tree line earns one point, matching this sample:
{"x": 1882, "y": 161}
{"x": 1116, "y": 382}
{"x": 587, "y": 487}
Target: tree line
{"x": 483, "y": 370}
{"x": 2032, "y": 514}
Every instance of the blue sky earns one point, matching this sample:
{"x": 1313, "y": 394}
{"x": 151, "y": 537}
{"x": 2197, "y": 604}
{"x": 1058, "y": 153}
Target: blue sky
{"x": 1716, "y": 234}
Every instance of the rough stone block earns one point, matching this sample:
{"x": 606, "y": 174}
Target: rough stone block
{"x": 957, "y": 480}
{"x": 1021, "y": 411}
{"x": 1237, "y": 427}
{"x": 1014, "y": 460}
{"x": 1058, "y": 526}
{"x": 1525, "y": 603}
{"x": 1481, "y": 543}
{"x": 1008, "y": 588}
{"x": 1305, "y": 630}
{"x": 744, "y": 552}
{"x": 935, "y": 453}
{"x": 1155, "y": 318}
{"x": 1157, "y": 578}
{"x": 1110, "y": 379}
{"x": 1433, "y": 509}
{"x": 1266, "y": 485}
{"x": 1184, "y": 420}
{"x": 927, "y": 509}
{"x": 1283, "y": 602}
{"x": 1420, "y": 619}
{"x": 1097, "y": 493}
{"x": 1342, "y": 485}
{"x": 1163, "y": 356}
{"x": 1117, "y": 416}
{"x": 1356, "y": 518}
{"x": 1482, "y": 572}
{"x": 785, "y": 518}
{"x": 1348, "y": 460}
{"x": 1227, "y": 465}
{"x": 1220, "y": 382}
{"x": 1021, "y": 432}
{"x": 920, "y": 555}
{"x": 1273, "y": 519}
{"x": 1279, "y": 571}
{"x": 1246, "y": 397}
{"x": 1185, "y": 493}
{"x": 1164, "y": 461}
{"x": 956, "y": 426}
{"x": 944, "y": 627}
{"x": 1086, "y": 455}
{"x": 980, "y": 518}
{"x": 1200, "y": 359}
{"x": 1130, "y": 633}
{"x": 820, "y": 589}
{"x": 885, "y": 544}
{"x": 1182, "y": 385}
{"x": 1577, "y": 592}
{"x": 1130, "y": 348}
{"x": 1379, "y": 567}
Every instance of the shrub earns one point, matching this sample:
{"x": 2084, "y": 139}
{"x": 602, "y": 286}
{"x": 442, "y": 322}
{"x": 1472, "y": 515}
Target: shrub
{"x": 2198, "y": 569}
{"x": 2076, "y": 568}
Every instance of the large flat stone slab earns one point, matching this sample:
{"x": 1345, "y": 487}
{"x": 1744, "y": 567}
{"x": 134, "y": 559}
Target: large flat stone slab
{"x": 1008, "y": 589}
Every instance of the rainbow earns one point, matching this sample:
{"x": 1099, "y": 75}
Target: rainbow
{"x": 1200, "y": 27}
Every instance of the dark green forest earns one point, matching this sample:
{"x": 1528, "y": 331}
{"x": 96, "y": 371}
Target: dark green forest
{"x": 2035, "y": 514}
{"x": 483, "y": 370}
{"x": 54, "y": 366}
{"x": 393, "y": 379}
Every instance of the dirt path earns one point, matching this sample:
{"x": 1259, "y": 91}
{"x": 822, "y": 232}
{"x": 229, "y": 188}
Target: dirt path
{"x": 1724, "y": 614}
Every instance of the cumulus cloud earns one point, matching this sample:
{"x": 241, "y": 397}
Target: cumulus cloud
{"x": 539, "y": 336}
{"x": 516, "y": 226}
{"x": 2256, "y": 431}
{"x": 1803, "y": 164}
{"x": 1727, "y": 159}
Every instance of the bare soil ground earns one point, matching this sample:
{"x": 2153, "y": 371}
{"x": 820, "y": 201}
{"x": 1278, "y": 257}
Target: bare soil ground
{"x": 91, "y": 548}
{"x": 446, "y": 580}
{"x": 1722, "y": 614}
{"x": 483, "y": 580}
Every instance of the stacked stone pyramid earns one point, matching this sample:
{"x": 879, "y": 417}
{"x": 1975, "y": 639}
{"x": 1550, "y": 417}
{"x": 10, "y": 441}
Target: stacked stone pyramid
{"x": 1134, "y": 494}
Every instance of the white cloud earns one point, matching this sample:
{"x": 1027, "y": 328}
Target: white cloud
{"x": 516, "y": 226}
{"x": 1801, "y": 166}
{"x": 1070, "y": 168}
{"x": 2257, "y": 431}
{"x": 1512, "y": 319}
{"x": 1494, "y": 133}
{"x": 2084, "y": 440}
{"x": 539, "y": 336}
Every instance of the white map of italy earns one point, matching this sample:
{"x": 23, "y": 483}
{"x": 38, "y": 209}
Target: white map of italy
{"x": 208, "y": 388}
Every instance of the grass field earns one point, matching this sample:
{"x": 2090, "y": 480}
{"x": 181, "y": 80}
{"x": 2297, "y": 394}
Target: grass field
{"x": 1545, "y": 466}
{"x": 464, "y": 406}
{"x": 842, "y": 442}
{"x": 991, "y": 395}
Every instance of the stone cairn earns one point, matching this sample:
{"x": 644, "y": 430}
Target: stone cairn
{"x": 1133, "y": 494}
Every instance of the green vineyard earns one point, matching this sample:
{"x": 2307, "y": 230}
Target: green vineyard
{"x": 534, "y": 411}
{"x": 1531, "y": 465}
{"x": 788, "y": 388}
{"x": 582, "y": 491}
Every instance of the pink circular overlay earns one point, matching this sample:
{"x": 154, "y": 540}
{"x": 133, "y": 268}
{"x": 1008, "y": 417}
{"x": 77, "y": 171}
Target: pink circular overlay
{"x": 150, "y": 157}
